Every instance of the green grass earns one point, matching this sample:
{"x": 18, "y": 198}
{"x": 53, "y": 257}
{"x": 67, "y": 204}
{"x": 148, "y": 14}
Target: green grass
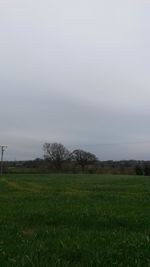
{"x": 74, "y": 220}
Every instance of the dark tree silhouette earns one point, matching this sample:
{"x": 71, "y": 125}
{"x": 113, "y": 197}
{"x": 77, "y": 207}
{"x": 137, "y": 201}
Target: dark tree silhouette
{"x": 56, "y": 153}
{"x": 83, "y": 158}
{"x": 139, "y": 170}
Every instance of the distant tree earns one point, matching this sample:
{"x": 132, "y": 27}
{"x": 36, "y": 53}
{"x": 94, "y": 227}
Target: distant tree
{"x": 56, "y": 153}
{"x": 83, "y": 158}
{"x": 146, "y": 169}
{"x": 139, "y": 170}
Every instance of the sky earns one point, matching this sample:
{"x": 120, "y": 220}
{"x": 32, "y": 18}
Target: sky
{"x": 75, "y": 72}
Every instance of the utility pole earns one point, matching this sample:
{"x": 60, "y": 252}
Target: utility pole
{"x": 2, "y": 148}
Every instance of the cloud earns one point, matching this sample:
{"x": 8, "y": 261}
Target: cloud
{"x": 75, "y": 72}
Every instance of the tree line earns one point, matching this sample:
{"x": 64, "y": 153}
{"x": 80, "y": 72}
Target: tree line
{"x": 57, "y": 154}
{"x": 57, "y": 158}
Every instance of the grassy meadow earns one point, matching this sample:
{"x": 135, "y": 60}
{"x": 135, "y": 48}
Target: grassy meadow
{"x": 74, "y": 220}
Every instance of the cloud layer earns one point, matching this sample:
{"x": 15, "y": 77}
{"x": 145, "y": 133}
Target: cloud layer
{"x": 75, "y": 72}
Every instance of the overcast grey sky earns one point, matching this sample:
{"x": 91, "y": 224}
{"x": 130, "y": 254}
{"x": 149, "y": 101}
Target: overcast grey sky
{"x": 76, "y": 72}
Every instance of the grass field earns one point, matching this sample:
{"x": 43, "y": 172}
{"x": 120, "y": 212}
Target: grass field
{"x": 74, "y": 220}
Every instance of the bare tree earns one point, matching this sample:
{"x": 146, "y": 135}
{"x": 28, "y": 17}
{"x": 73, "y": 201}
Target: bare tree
{"x": 83, "y": 158}
{"x": 56, "y": 153}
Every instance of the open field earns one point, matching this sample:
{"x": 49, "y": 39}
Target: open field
{"x": 74, "y": 220}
